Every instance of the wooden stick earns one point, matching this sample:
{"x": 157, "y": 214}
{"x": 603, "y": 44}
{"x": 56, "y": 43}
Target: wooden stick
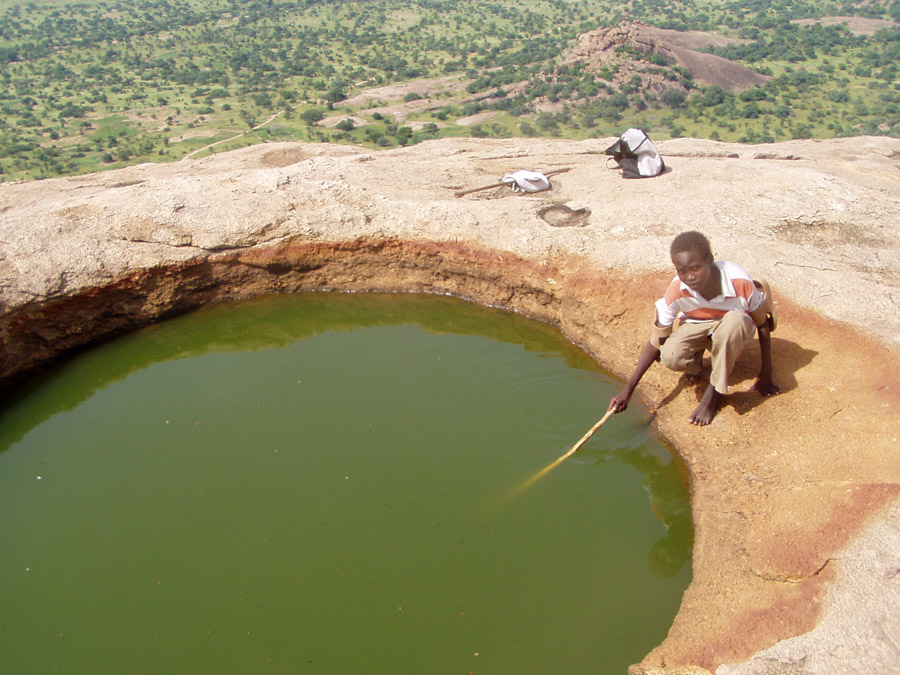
{"x": 600, "y": 423}
{"x": 479, "y": 189}
{"x": 502, "y": 184}
{"x": 547, "y": 469}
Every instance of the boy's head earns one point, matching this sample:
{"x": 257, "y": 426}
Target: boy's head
{"x": 691, "y": 241}
{"x": 694, "y": 264}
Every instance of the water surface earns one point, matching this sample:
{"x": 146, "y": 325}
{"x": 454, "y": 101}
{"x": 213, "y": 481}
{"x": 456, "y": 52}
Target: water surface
{"x": 326, "y": 484}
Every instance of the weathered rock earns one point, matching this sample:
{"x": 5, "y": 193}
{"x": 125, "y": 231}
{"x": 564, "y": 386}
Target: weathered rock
{"x": 853, "y": 614}
{"x": 782, "y": 487}
{"x": 626, "y": 48}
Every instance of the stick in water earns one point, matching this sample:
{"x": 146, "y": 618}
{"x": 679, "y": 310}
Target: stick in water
{"x": 547, "y": 469}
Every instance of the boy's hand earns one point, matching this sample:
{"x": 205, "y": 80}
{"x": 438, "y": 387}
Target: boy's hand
{"x": 619, "y": 402}
{"x": 765, "y": 386}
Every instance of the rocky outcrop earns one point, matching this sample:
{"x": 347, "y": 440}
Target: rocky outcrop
{"x": 629, "y": 48}
{"x": 793, "y": 496}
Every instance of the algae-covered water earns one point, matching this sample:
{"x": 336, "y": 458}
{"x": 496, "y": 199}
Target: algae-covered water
{"x": 327, "y": 484}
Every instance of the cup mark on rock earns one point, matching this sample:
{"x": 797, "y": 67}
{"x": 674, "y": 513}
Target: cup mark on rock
{"x": 560, "y": 215}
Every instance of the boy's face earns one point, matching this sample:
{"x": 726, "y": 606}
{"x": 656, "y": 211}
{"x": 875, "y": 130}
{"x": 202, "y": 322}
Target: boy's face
{"x": 697, "y": 273}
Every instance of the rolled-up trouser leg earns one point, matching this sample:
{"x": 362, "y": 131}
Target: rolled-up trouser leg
{"x": 683, "y": 350}
{"x": 728, "y": 341}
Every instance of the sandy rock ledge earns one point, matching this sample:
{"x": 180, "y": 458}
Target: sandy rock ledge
{"x": 796, "y": 498}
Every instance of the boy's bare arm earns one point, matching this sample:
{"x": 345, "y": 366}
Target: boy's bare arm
{"x": 764, "y": 384}
{"x": 648, "y": 356}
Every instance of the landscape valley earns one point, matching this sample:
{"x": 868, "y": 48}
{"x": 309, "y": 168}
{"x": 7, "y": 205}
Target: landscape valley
{"x": 96, "y": 84}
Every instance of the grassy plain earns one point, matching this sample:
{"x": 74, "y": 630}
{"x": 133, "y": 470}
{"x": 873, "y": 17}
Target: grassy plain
{"x": 94, "y": 84}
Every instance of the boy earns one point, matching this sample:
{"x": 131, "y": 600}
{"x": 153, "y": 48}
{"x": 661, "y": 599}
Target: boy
{"x": 720, "y": 308}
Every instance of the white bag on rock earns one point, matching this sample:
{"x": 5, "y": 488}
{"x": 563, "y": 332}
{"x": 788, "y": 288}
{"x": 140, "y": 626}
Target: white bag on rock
{"x": 527, "y": 181}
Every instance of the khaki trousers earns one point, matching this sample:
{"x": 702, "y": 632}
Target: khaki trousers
{"x": 725, "y": 338}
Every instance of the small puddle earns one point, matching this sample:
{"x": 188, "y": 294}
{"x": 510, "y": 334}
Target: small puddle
{"x": 321, "y": 483}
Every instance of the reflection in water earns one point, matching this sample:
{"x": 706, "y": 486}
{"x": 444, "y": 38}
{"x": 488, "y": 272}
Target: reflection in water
{"x": 672, "y": 507}
{"x": 664, "y": 477}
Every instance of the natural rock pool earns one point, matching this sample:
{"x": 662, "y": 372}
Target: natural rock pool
{"x": 327, "y": 483}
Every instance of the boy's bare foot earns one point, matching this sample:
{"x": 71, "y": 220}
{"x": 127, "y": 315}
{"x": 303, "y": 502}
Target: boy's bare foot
{"x": 708, "y": 407}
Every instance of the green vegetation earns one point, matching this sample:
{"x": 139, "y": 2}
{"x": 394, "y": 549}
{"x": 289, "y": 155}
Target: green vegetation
{"x": 104, "y": 83}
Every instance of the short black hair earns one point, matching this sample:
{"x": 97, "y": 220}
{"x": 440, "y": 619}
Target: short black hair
{"x": 691, "y": 241}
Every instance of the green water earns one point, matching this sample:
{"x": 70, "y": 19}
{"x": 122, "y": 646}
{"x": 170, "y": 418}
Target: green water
{"x": 327, "y": 484}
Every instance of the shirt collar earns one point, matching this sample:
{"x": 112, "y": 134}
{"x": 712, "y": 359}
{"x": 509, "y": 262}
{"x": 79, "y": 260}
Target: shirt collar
{"x": 725, "y": 285}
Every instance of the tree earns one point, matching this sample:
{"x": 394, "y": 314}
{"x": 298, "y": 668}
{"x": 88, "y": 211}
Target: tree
{"x": 248, "y": 117}
{"x": 672, "y": 98}
{"x": 312, "y": 116}
{"x": 711, "y": 96}
{"x": 750, "y": 111}
{"x": 894, "y": 10}
{"x": 547, "y": 123}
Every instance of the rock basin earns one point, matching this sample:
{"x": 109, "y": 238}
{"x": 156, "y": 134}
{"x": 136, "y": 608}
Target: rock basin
{"x": 796, "y": 498}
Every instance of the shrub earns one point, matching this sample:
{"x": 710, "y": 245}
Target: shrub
{"x": 672, "y": 98}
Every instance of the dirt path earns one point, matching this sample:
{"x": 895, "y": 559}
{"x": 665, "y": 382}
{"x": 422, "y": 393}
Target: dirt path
{"x": 227, "y": 140}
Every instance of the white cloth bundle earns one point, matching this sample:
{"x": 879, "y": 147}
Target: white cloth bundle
{"x": 527, "y": 181}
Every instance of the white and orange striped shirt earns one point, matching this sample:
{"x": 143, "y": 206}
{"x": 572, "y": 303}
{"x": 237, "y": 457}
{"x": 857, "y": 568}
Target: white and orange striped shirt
{"x": 738, "y": 293}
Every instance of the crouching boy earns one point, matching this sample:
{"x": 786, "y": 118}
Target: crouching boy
{"x": 721, "y": 308}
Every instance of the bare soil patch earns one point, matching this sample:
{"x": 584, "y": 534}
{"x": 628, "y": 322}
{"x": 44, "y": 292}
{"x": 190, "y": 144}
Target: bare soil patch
{"x": 477, "y": 118}
{"x": 197, "y": 133}
{"x": 857, "y": 25}
{"x": 693, "y": 39}
{"x": 426, "y": 88}
{"x": 337, "y": 119}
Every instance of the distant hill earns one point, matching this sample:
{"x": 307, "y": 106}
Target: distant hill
{"x": 629, "y": 46}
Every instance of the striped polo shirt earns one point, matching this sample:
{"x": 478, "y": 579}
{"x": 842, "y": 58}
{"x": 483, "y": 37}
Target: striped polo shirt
{"x": 738, "y": 293}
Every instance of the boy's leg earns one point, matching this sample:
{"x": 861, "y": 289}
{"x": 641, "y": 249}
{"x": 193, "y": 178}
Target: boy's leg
{"x": 730, "y": 336}
{"x": 683, "y": 350}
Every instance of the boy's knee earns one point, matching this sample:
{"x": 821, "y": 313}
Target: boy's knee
{"x": 737, "y": 323}
{"x": 679, "y": 359}
{"x": 667, "y": 353}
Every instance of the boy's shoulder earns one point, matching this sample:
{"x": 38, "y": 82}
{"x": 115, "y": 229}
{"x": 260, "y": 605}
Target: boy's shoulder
{"x": 733, "y": 270}
{"x": 737, "y": 281}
